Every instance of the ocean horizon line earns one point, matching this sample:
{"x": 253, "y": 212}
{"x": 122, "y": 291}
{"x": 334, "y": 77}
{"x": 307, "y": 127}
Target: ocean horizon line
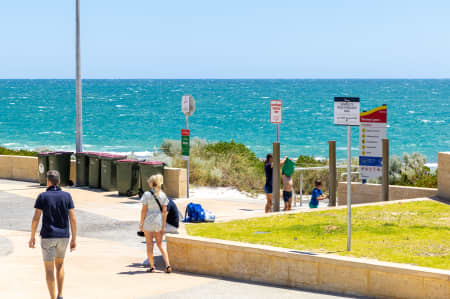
{"x": 245, "y": 78}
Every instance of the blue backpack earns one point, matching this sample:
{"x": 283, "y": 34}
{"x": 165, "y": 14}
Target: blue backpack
{"x": 194, "y": 213}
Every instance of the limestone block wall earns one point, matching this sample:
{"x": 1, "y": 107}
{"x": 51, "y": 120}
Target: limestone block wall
{"x": 444, "y": 175}
{"x": 366, "y": 193}
{"x": 175, "y": 182}
{"x": 19, "y": 168}
{"x": 319, "y": 272}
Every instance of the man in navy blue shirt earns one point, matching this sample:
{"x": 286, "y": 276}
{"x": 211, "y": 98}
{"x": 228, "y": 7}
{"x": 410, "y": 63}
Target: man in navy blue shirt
{"x": 57, "y": 209}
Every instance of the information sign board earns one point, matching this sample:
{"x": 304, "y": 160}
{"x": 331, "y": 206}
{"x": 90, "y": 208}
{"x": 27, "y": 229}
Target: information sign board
{"x": 185, "y": 144}
{"x": 371, "y": 133}
{"x": 346, "y": 111}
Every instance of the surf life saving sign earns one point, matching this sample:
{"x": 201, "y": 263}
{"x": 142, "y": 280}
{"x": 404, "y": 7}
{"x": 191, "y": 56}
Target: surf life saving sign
{"x": 276, "y": 111}
{"x": 185, "y": 144}
{"x": 371, "y": 133}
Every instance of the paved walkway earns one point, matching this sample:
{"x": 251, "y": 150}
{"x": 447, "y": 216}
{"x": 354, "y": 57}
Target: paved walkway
{"x": 107, "y": 262}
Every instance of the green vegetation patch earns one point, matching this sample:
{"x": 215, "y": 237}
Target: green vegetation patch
{"x": 7, "y": 151}
{"x": 416, "y": 233}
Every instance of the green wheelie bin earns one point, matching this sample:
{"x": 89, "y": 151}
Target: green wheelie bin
{"x": 146, "y": 170}
{"x": 82, "y": 161}
{"x": 108, "y": 175}
{"x": 94, "y": 170}
{"x": 43, "y": 167}
{"x": 60, "y": 161}
{"x": 127, "y": 177}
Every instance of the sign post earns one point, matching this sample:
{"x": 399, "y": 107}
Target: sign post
{"x": 188, "y": 108}
{"x": 371, "y": 133}
{"x": 346, "y": 113}
{"x": 276, "y": 117}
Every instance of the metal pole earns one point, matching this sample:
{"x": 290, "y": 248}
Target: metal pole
{"x": 79, "y": 120}
{"x": 332, "y": 173}
{"x": 278, "y": 133}
{"x": 187, "y": 161}
{"x": 301, "y": 188}
{"x": 385, "y": 177}
{"x": 349, "y": 188}
{"x": 276, "y": 178}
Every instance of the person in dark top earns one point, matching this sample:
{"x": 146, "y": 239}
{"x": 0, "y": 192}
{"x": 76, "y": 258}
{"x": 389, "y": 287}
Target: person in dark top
{"x": 268, "y": 186}
{"x": 57, "y": 210}
{"x": 317, "y": 195}
{"x": 268, "y": 169}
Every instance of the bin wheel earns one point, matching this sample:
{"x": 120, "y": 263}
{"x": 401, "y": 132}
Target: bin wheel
{"x": 141, "y": 192}
{"x": 130, "y": 193}
{"x": 70, "y": 183}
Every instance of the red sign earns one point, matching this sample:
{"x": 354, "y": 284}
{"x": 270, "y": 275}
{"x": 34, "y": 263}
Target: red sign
{"x": 376, "y": 115}
{"x": 276, "y": 111}
{"x": 184, "y": 132}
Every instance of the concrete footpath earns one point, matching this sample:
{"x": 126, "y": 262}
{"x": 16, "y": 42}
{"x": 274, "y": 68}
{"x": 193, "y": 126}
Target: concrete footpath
{"x": 107, "y": 262}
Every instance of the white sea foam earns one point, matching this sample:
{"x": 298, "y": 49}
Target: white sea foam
{"x": 411, "y": 111}
{"x": 425, "y": 120}
{"x": 51, "y": 132}
{"x": 120, "y": 106}
{"x": 440, "y": 121}
{"x": 115, "y": 146}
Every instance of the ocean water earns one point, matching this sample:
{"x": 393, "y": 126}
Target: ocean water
{"x": 137, "y": 115}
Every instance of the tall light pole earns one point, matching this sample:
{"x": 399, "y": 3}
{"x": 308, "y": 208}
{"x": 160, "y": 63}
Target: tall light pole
{"x": 79, "y": 119}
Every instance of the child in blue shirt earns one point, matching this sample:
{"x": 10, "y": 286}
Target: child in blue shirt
{"x": 316, "y": 195}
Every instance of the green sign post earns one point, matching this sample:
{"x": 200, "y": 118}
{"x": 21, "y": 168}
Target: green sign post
{"x": 188, "y": 108}
{"x": 185, "y": 144}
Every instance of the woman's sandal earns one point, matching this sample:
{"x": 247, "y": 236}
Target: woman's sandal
{"x": 169, "y": 269}
{"x": 151, "y": 270}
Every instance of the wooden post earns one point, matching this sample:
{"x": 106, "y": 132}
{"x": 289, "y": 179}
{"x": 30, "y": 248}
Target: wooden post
{"x": 385, "y": 171}
{"x": 276, "y": 180}
{"x": 332, "y": 182}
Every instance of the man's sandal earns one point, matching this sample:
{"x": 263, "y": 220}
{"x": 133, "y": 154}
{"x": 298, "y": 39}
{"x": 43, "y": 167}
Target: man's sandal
{"x": 169, "y": 269}
{"x": 151, "y": 270}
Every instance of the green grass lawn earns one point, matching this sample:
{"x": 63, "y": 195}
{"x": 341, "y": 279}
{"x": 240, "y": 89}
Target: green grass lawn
{"x": 416, "y": 233}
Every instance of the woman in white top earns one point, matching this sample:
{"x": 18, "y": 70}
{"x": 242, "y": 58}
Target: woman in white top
{"x": 153, "y": 219}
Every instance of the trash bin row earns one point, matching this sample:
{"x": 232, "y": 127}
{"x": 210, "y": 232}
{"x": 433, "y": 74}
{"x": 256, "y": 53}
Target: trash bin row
{"x": 100, "y": 170}
{"x": 55, "y": 161}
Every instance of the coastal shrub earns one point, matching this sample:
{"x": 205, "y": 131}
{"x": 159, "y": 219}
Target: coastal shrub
{"x": 7, "y": 151}
{"x": 221, "y": 164}
{"x": 410, "y": 170}
{"x": 310, "y": 161}
{"x": 171, "y": 147}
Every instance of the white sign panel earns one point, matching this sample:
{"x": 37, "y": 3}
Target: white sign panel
{"x": 370, "y": 139}
{"x": 185, "y": 104}
{"x": 346, "y": 111}
{"x": 276, "y": 111}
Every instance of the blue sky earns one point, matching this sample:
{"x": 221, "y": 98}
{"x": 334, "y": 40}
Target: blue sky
{"x": 227, "y": 39}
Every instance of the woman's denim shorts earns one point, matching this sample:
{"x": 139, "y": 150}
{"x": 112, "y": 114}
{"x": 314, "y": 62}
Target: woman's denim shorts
{"x": 268, "y": 189}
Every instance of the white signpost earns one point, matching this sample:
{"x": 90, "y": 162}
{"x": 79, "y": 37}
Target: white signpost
{"x": 188, "y": 108}
{"x": 346, "y": 113}
{"x": 276, "y": 115}
{"x": 371, "y": 133}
